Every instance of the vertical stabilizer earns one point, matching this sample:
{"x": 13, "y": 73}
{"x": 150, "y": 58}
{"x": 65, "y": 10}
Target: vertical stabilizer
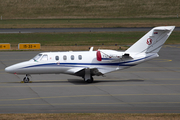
{"x": 152, "y": 41}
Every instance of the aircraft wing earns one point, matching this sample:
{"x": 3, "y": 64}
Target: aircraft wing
{"x": 106, "y": 70}
{"x": 79, "y": 71}
{"x": 74, "y": 70}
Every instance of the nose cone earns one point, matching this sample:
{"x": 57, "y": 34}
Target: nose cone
{"x": 10, "y": 69}
{"x": 17, "y": 68}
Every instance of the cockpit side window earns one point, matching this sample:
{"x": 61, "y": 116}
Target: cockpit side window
{"x": 44, "y": 57}
{"x": 37, "y": 57}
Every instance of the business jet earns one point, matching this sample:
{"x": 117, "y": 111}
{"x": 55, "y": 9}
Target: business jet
{"x": 87, "y": 64}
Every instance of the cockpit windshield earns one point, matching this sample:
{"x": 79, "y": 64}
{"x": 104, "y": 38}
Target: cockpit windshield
{"x": 37, "y": 57}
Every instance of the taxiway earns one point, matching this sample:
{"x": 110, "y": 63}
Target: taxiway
{"x": 151, "y": 87}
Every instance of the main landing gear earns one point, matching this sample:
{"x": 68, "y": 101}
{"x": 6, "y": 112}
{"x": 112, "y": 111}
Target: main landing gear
{"x": 26, "y": 79}
{"x": 87, "y": 76}
{"x": 89, "y": 80}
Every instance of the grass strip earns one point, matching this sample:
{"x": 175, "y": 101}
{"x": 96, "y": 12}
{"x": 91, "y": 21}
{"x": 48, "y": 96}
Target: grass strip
{"x": 91, "y": 116}
{"x": 90, "y": 23}
{"x": 28, "y": 9}
{"x": 80, "y": 39}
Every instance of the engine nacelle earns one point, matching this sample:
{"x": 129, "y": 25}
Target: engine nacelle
{"x": 102, "y": 56}
{"x": 98, "y": 56}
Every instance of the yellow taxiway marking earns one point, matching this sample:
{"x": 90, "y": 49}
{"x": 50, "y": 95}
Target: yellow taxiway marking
{"x": 90, "y": 85}
{"x": 171, "y": 46}
{"x": 135, "y": 71}
{"x": 103, "y": 79}
{"x": 161, "y": 60}
{"x": 78, "y": 96}
{"x": 118, "y": 103}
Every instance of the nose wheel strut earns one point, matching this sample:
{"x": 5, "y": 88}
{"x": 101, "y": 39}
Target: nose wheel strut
{"x": 26, "y": 79}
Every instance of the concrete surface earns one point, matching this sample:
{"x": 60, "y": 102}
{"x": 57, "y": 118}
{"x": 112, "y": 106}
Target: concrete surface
{"x": 151, "y": 87}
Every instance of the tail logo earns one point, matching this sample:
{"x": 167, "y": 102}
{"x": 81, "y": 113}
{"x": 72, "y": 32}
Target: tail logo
{"x": 149, "y": 41}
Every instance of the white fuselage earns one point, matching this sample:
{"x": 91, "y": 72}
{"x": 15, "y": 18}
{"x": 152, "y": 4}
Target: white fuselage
{"x": 71, "y": 62}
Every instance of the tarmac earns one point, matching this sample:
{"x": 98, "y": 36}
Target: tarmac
{"x": 151, "y": 87}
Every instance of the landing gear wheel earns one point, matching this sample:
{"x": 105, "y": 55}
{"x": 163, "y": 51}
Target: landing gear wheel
{"x": 26, "y": 79}
{"x": 90, "y": 80}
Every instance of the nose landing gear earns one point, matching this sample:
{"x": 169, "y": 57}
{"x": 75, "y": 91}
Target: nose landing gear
{"x": 26, "y": 79}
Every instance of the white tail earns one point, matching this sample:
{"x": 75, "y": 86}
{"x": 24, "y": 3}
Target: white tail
{"x": 152, "y": 41}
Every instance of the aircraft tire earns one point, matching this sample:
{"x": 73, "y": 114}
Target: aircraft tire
{"x": 26, "y": 80}
{"x": 90, "y": 80}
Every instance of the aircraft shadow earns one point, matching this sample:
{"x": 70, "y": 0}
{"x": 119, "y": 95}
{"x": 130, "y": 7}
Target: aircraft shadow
{"x": 81, "y": 82}
{"x": 33, "y": 82}
{"x": 50, "y": 81}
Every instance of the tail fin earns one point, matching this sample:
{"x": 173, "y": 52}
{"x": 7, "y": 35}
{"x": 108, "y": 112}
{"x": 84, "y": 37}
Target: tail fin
{"x": 152, "y": 41}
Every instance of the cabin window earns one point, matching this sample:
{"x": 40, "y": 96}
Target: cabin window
{"x": 37, "y": 57}
{"x": 80, "y": 57}
{"x": 44, "y": 58}
{"x": 57, "y": 57}
{"x": 72, "y": 57}
{"x": 64, "y": 57}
